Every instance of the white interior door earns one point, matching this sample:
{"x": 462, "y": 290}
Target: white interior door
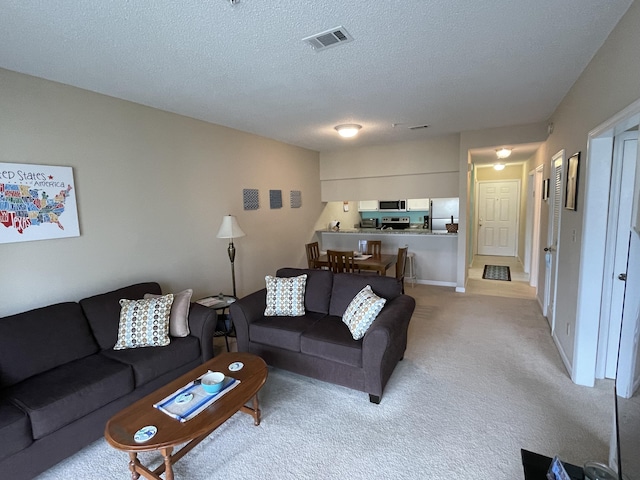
{"x": 625, "y": 151}
{"x": 498, "y": 207}
{"x": 551, "y": 255}
{"x": 628, "y": 374}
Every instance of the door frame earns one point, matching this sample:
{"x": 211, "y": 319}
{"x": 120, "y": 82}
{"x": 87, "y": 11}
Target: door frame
{"x": 609, "y": 278}
{"x": 534, "y": 235}
{"x": 517, "y": 225}
{"x": 592, "y": 256}
{"x": 528, "y": 229}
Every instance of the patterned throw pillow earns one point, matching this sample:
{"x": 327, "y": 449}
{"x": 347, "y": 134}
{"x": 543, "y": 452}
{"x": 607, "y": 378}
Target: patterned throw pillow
{"x": 362, "y": 311}
{"x": 179, "y": 320}
{"x": 285, "y": 296}
{"x": 144, "y": 323}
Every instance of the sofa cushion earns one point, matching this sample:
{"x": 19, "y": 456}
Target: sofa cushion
{"x": 285, "y": 296}
{"x": 15, "y": 430}
{"x": 347, "y": 285}
{"x": 318, "y": 290}
{"x": 330, "y": 339}
{"x": 150, "y": 363}
{"x": 59, "y": 396}
{"x": 144, "y": 323}
{"x": 362, "y": 311}
{"x": 282, "y": 332}
{"x": 103, "y": 311}
{"x": 38, "y": 340}
{"x": 179, "y": 320}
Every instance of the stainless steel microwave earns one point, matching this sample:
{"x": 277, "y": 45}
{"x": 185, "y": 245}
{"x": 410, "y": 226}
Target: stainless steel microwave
{"x": 392, "y": 205}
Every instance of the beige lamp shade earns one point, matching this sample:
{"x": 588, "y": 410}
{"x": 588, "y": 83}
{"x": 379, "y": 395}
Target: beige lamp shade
{"x": 230, "y": 228}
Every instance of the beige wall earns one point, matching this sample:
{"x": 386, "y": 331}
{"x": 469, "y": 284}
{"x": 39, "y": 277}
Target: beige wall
{"x": 610, "y": 82}
{"x": 335, "y": 211}
{"x": 152, "y": 188}
{"x": 420, "y": 169}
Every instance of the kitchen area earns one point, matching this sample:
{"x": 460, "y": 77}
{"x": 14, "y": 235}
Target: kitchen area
{"x": 428, "y": 226}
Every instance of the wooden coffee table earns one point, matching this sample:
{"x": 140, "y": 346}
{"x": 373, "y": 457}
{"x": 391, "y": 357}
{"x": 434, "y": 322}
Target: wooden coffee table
{"x": 122, "y": 427}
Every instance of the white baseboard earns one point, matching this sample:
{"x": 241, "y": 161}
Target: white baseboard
{"x": 541, "y": 305}
{"x": 563, "y": 356}
{"x": 433, "y": 282}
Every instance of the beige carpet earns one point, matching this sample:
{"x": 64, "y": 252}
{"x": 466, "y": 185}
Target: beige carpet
{"x": 481, "y": 379}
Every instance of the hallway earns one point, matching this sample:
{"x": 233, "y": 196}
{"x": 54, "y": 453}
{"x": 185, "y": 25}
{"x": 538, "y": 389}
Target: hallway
{"x": 518, "y": 287}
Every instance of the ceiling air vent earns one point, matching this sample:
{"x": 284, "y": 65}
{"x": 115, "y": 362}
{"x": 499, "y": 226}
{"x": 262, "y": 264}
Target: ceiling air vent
{"x": 419, "y": 127}
{"x": 329, "y": 38}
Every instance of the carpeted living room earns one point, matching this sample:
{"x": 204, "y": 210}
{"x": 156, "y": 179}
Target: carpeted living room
{"x": 480, "y": 380}
{"x": 132, "y": 133}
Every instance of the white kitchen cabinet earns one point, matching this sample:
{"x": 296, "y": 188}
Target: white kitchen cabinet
{"x": 417, "y": 204}
{"x": 368, "y": 206}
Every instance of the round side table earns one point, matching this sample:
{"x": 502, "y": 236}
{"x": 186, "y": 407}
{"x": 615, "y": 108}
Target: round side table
{"x": 220, "y": 303}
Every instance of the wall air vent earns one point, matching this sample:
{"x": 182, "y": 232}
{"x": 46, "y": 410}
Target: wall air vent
{"x": 419, "y": 127}
{"x": 329, "y": 38}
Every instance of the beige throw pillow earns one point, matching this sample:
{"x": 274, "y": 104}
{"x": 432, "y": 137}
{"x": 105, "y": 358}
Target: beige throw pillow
{"x": 285, "y": 296}
{"x": 179, "y": 320}
{"x": 144, "y": 323}
{"x": 362, "y": 311}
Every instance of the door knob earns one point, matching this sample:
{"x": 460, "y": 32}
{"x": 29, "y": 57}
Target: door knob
{"x": 623, "y": 277}
{"x": 549, "y": 249}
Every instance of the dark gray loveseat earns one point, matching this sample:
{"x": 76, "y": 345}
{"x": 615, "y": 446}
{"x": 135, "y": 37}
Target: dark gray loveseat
{"x": 319, "y": 344}
{"x": 61, "y": 380}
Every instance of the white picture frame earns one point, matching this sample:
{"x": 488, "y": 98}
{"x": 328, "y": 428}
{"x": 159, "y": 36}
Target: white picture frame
{"x": 37, "y": 202}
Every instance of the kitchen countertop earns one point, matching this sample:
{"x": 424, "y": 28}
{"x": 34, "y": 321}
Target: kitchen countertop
{"x": 377, "y": 231}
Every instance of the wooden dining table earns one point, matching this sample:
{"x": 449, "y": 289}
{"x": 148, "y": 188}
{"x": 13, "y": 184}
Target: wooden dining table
{"x": 378, "y": 263}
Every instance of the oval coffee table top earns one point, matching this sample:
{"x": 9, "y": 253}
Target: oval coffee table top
{"x": 122, "y": 427}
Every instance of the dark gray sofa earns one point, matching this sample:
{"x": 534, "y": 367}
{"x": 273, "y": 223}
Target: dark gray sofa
{"x": 61, "y": 380}
{"x": 319, "y": 344}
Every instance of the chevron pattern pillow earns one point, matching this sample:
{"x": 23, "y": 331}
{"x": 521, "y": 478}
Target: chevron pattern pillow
{"x": 285, "y": 296}
{"x": 362, "y": 311}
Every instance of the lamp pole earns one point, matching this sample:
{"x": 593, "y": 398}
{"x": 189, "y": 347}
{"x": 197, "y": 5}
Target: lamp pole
{"x": 232, "y": 256}
{"x": 230, "y": 229}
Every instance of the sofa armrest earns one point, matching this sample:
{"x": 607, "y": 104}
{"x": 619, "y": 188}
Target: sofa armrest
{"x": 384, "y": 343}
{"x": 202, "y": 324}
{"x": 245, "y": 311}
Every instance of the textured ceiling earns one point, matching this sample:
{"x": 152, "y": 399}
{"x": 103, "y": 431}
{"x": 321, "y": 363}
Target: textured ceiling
{"x": 455, "y": 65}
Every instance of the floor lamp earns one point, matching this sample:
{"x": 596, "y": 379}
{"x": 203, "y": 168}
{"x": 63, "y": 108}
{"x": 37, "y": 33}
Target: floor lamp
{"x": 230, "y": 229}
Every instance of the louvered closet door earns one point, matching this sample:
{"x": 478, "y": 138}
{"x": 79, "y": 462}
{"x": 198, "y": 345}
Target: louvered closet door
{"x": 552, "y": 248}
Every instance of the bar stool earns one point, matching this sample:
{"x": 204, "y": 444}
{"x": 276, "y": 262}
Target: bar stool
{"x": 411, "y": 271}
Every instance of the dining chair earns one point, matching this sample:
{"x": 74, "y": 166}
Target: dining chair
{"x": 374, "y": 247}
{"x": 401, "y": 264}
{"x": 341, "y": 261}
{"x": 313, "y": 252}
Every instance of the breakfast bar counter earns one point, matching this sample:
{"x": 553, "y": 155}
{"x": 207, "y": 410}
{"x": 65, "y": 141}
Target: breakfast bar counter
{"x": 434, "y": 253}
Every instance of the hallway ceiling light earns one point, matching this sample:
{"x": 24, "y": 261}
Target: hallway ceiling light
{"x": 348, "y": 130}
{"x": 499, "y": 166}
{"x": 503, "y": 152}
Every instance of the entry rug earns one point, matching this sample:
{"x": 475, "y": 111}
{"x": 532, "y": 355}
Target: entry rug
{"x": 188, "y": 401}
{"x": 497, "y": 272}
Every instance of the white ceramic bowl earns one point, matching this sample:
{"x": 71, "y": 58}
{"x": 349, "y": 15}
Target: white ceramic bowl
{"x": 212, "y": 382}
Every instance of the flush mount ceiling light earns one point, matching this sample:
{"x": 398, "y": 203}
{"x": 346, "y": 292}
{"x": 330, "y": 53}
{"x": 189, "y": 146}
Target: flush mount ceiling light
{"x": 348, "y": 130}
{"x": 499, "y": 166}
{"x": 503, "y": 152}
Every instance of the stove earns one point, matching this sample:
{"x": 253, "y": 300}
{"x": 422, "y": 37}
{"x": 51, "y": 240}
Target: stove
{"x": 395, "y": 223}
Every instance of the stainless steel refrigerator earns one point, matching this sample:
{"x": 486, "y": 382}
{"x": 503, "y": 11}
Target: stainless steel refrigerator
{"x": 441, "y": 211}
